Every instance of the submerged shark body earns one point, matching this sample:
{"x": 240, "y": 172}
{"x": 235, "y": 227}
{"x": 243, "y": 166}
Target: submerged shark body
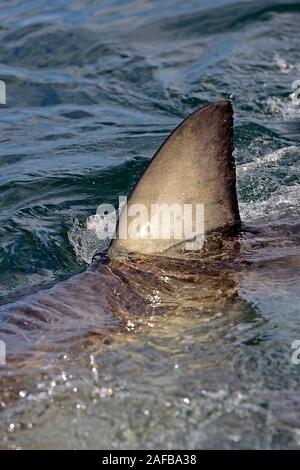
{"x": 146, "y": 276}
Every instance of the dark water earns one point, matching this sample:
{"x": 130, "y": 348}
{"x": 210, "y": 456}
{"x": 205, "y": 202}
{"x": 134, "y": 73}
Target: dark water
{"x": 93, "y": 88}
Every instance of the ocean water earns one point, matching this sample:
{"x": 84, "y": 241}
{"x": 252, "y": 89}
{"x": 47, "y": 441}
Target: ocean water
{"x": 92, "y": 89}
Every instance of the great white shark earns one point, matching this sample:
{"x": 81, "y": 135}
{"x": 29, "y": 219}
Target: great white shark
{"x": 195, "y": 165}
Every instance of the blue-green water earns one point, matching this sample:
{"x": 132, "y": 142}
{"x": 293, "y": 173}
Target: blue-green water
{"x": 93, "y": 88}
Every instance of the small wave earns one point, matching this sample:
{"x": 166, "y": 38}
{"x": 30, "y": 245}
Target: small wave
{"x": 283, "y": 64}
{"x": 94, "y": 236}
{"x": 85, "y": 241}
{"x": 272, "y": 157}
{"x": 286, "y": 108}
{"x": 283, "y": 204}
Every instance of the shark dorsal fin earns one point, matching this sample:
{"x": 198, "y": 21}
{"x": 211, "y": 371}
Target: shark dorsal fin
{"x": 195, "y": 165}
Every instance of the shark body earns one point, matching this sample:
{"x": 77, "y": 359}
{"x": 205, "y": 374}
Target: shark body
{"x": 194, "y": 165}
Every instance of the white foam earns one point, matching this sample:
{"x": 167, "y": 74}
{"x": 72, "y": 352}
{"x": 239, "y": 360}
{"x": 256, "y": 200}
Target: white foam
{"x": 282, "y": 204}
{"x": 84, "y": 238}
{"x": 283, "y": 65}
{"x": 286, "y": 108}
{"x": 271, "y": 157}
